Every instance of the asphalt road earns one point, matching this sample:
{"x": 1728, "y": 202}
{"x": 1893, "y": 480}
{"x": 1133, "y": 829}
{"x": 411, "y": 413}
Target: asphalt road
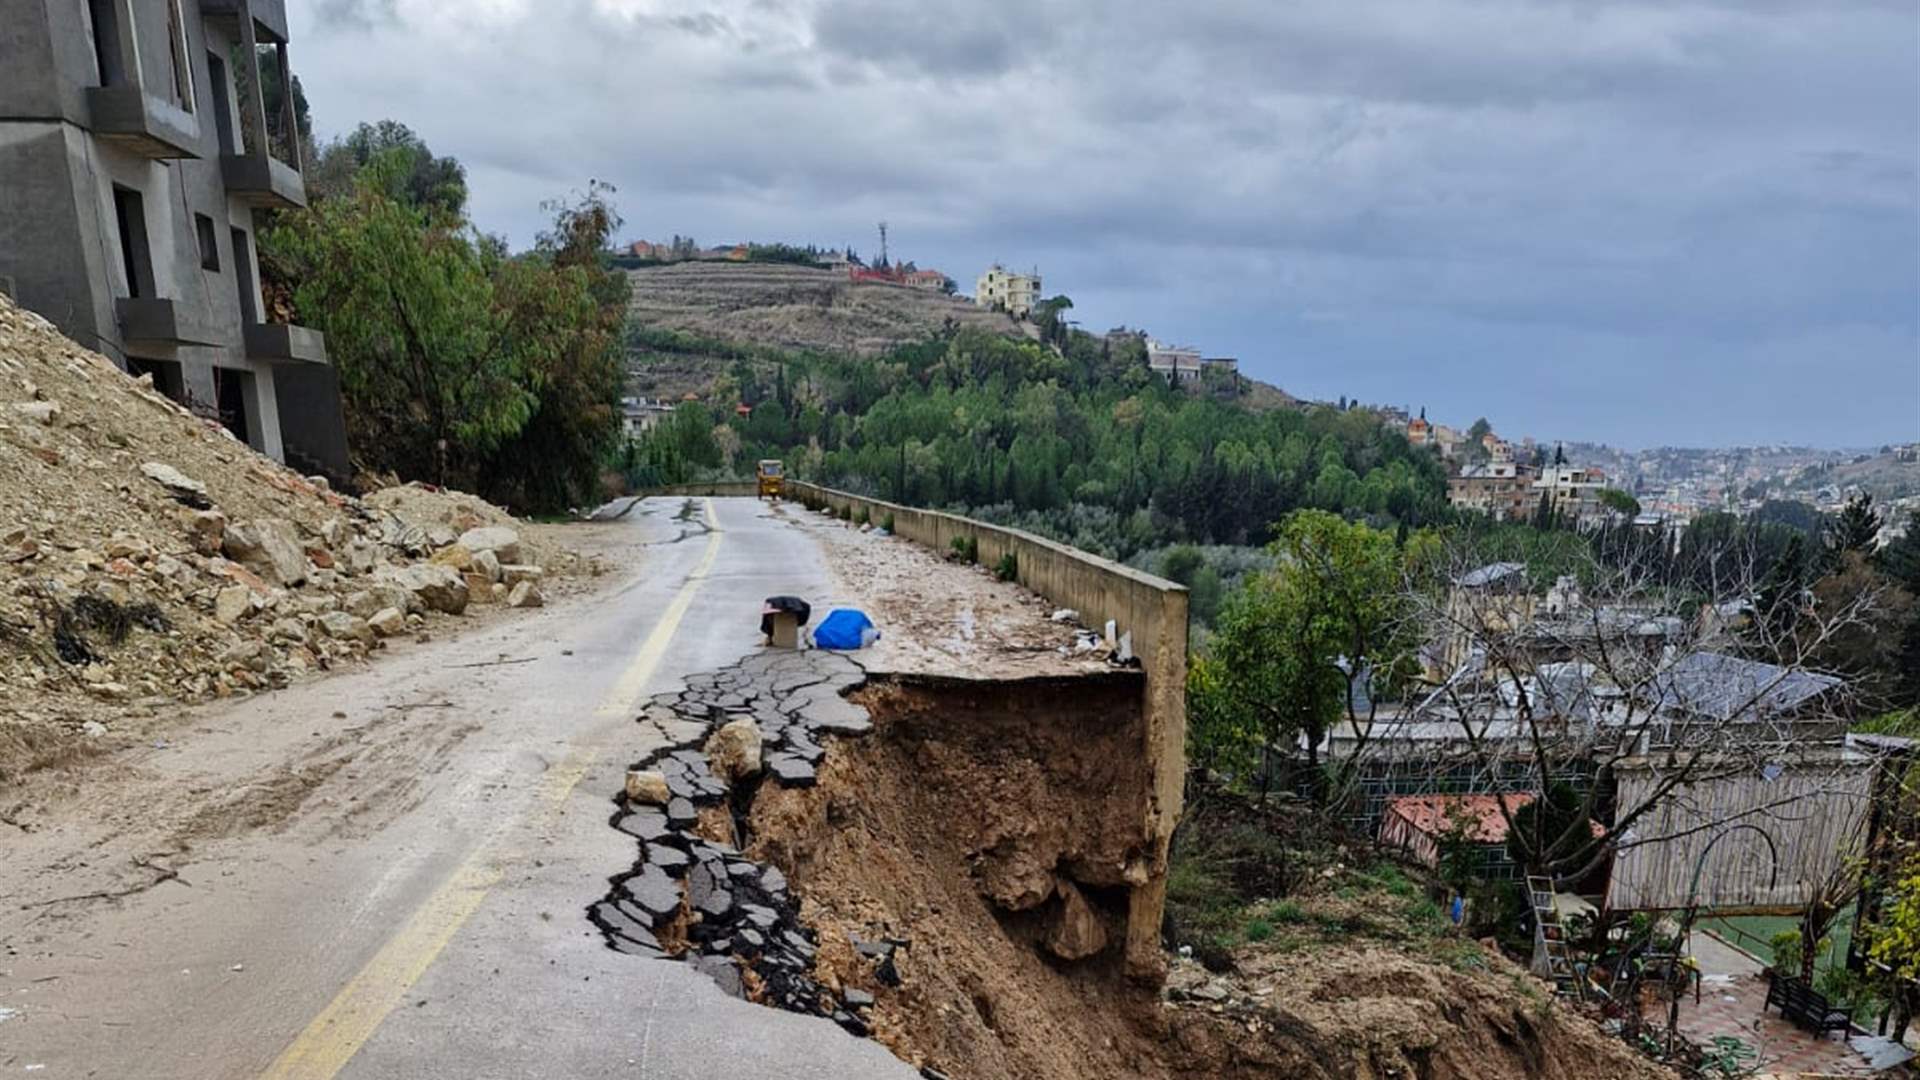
{"x": 384, "y": 874}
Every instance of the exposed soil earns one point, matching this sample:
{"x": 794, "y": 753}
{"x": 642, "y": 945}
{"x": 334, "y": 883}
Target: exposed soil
{"x": 965, "y": 829}
{"x": 125, "y": 519}
{"x": 799, "y": 307}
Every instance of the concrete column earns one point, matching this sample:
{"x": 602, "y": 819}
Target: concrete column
{"x": 126, "y": 42}
{"x": 255, "y": 105}
{"x": 289, "y": 115}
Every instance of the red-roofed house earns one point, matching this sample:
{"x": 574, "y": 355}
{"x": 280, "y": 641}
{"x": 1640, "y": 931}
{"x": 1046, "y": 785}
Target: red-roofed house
{"x": 1417, "y": 823}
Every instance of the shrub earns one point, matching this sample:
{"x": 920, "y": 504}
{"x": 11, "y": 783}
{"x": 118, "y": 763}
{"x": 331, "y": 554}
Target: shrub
{"x": 967, "y": 547}
{"x": 1288, "y": 912}
{"x": 887, "y": 524}
{"x": 1008, "y": 568}
{"x": 860, "y": 516}
{"x": 1259, "y": 929}
{"x": 1786, "y": 952}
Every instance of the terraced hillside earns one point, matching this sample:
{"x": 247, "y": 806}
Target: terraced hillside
{"x": 781, "y": 306}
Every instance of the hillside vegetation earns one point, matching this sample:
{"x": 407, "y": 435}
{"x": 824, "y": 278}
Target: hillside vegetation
{"x": 1082, "y": 443}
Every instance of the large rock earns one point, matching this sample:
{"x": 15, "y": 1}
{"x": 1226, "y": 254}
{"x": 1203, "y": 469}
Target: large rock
{"x": 515, "y": 573}
{"x": 486, "y": 562}
{"x": 269, "y": 547}
{"x": 1075, "y": 931}
{"x": 344, "y": 627}
{"x": 388, "y": 621}
{"x": 733, "y": 751}
{"x": 177, "y": 484}
{"x": 232, "y": 603}
{"x": 647, "y": 786}
{"x": 432, "y": 588}
{"x": 524, "y": 595}
{"x": 360, "y": 557}
{"x": 205, "y": 529}
{"x": 502, "y": 541}
{"x": 456, "y": 556}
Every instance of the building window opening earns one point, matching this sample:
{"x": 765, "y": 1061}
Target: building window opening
{"x": 233, "y": 392}
{"x": 243, "y": 277}
{"x": 182, "y": 85}
{"x": 209, "y": 246}
{"x": 106, "y": 41}
{"x": 130, "y": 214}
{"x": 167, "y": 377}
{"x": 222, "y": 102}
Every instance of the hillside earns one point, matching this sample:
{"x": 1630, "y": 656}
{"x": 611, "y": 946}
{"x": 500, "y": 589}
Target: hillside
{"x": 148, "y": 558}
{"x": 1894, "y": 474}
{"x": 782, "y": 306}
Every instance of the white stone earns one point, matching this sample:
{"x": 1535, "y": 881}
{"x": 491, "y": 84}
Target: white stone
{"x": 502, "y": 541}
{"x": 176, "y": 482}
{"x": 486, "y": 562}
{"x": 525, "y": 595}
{"x": 232, "y": 603}
{"x": 344, "y": 627}
{"x": 435, "y": 588}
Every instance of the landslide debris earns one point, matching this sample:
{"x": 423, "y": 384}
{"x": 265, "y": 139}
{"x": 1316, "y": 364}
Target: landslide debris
{"x": 972, "y": 826}
{"x": 148, "y": 558}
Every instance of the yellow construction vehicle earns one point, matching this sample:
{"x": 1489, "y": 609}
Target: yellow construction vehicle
{"x": 771, "y": 475}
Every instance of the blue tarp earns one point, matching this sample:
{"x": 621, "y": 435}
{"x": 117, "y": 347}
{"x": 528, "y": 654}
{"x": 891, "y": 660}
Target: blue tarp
{"x": 845, "y": 628}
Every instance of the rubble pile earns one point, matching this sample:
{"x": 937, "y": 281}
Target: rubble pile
{"x": 147, "y": 557}
{"x": 691, "y": 893}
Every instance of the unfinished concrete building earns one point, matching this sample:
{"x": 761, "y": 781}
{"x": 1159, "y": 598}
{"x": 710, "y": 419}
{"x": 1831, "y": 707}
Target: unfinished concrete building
{"x": 136, "y": 158}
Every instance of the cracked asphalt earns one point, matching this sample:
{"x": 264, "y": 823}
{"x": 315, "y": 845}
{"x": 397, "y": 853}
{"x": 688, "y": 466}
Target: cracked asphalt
{"x": 385, "y": 873}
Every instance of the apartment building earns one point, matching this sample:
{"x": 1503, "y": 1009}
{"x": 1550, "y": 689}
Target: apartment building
{"x": 1007, "y": 291}
{"x": 1175, "y": 362}
{"x": 1501, "y": 489}
{"x": 1572, "y": 491}
{"x": 136, "y": 155}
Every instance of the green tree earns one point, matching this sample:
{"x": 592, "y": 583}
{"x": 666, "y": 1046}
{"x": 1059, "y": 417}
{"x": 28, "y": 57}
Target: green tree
{"x": 1220, "y": 736}
{"x": 1620, "y": 502}
{"x": 1293, "y": 642}
{"x": 1551, "y": 832}
{"x": 1855, "y": 528}
{"x": 420, "y": 179}
{"x": 428, "y": 380}
{"x": 566, "y": 307}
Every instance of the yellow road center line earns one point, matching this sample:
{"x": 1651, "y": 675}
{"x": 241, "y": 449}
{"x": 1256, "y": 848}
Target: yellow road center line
{"x": 357, "y": 1011}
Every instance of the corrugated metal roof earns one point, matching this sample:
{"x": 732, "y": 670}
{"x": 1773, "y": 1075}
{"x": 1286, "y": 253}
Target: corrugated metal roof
{"x": 1723, "y": 687}
{"x": 1490, "y": 574}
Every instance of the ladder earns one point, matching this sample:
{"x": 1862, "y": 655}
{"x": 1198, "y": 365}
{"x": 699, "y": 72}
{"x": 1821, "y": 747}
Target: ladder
{"x": 1550, "y": 938}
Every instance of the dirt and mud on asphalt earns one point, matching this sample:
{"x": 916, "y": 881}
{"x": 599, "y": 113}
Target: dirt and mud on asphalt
{"x": 938, "y": 616}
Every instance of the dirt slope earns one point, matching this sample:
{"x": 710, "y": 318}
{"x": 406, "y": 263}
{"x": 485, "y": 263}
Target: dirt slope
{"x": 980, "y": 844}
{"x": 783, "y": 306}
{"x": 147, "y": 557}
{"x": 798, "y": 307}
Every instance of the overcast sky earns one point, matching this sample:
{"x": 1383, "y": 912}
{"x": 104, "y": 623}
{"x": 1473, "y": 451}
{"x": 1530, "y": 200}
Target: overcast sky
{"x": 1647, "y": 223}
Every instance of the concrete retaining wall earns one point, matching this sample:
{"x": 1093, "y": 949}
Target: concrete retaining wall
{"x": 1148, "y": 613}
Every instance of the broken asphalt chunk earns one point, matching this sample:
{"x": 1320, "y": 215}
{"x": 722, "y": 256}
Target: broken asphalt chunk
{"x": 655, "y": 893}
{"x": 648, "y": 825}
{"x": 790, "y": 771}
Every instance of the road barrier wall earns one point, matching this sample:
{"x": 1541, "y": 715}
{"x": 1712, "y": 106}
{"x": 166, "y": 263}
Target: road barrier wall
{"x": 1149, "y": 615}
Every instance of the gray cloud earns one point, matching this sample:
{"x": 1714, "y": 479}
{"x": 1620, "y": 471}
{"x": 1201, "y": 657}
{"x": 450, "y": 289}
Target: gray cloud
{"x": 355, "y": 14}
{"x": 1419, "y": 199}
